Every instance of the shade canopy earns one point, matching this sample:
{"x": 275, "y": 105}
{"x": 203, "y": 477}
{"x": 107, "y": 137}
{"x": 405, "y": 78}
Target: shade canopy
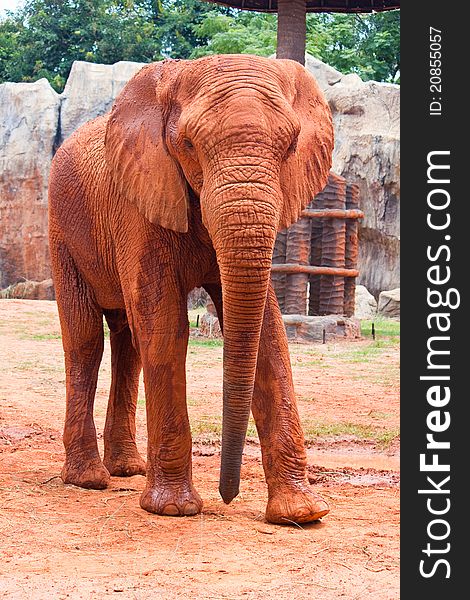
{"x": 341, "y": 6}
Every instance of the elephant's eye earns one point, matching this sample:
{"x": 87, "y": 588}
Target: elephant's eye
{"x": 188, "y": 144}
{"x": 292, "y": 148}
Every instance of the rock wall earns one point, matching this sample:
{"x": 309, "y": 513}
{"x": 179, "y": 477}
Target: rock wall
{"x": 90, "y": 91}
{"x": 28, "y": 128}
{"x": 34, "y": 120}
{"x": 366, "y": 117}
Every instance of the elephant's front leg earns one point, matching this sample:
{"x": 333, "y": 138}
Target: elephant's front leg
{"x": 290, "y": 497}
{"x": 169, "y": 489}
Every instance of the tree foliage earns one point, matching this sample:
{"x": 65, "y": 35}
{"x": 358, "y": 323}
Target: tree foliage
{"x": 368, "y": 45}
{"x": 44, "y": 37}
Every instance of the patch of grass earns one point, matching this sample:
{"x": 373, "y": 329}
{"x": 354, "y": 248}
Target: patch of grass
{"x": 205, "y": 343}
{"x": 308, "y": 399}
{"x": 384, "y": 328}
{"x": 36, "y": 364}
{"x": 193, "y": 314}
{"x": 211, "y": 425}
{"x": 366, "y": 353}
{"x": 378, "y": 414}
{"x": 41, "y": 336}
{"x": 141, "y": 401}
{"x": 383, "y": 438}
{"x": 309, "y": 358}
{"x": 26, "y": 365}
{"x": 312, "y": 363}
{"x": 206, "y": 425}
{"x": 312, "y": 429}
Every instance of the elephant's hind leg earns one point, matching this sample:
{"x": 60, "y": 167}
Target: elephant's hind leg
{"x": 121, "y": 456}
{"x": 81, "y": 322}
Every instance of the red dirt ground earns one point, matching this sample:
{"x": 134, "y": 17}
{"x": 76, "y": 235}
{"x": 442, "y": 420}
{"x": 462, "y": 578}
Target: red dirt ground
{"x": 59, "y": 541}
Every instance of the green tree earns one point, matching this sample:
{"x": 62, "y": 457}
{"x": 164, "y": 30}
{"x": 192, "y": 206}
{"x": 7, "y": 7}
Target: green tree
{"x": 51, "y": 34}
{"x": 44, "y": 37}
{"x": 244, "y": 33}
{"x": 180, "y": 26}
{"x": 368, "y": 45}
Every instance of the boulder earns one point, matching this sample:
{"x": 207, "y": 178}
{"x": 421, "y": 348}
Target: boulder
{"x": 197, "y": 297}
{"x": 389, "y": 304}
{"x": 29, "y": 114}
{"x": 365, "y": 303}
{"x": 30, "y": 290}
{"x": 34, "y": 120}
{"x": 91, "y": 90}
{"x": 366, "y": 118}
{"x": 300, "y": 328}
{"x": 209, "y": 326}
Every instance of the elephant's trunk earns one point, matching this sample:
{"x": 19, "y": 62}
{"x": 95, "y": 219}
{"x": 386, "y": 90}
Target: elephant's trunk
{"x": 243, "y": 231}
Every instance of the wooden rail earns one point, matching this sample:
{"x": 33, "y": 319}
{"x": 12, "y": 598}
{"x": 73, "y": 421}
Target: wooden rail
{"x": 332, "y": 213}
{"x": 315, "y": 260}
{"x": 311, "y": 270}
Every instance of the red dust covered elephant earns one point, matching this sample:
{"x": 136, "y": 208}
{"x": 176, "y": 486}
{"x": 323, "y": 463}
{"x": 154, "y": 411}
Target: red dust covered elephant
{"x": 185, "y": 184}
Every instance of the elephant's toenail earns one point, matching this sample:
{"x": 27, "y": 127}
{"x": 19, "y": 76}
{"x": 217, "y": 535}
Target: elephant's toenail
{"x": 171, "y": 510}
{"x": 190, "y": 509}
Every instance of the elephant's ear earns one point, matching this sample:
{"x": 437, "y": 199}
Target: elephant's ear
{"x": 304, "y": 173}
{"x": 136, "y": 153}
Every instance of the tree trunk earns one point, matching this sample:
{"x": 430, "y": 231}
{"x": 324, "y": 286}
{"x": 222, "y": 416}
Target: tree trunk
{"x": 292, "y": 29}
{"x": 291, "y": 39}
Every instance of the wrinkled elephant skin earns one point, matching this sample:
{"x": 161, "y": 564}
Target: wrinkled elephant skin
{"x": 184, "y": 184}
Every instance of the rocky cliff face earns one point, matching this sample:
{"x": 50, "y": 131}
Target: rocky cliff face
{"x": 90, "y": 91}
{"x": 366, "y": 118}
{"x": 34, "y": 120}
{"x": 28, "y": 129}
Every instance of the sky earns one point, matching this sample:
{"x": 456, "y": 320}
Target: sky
{"x": 8, "y": 5}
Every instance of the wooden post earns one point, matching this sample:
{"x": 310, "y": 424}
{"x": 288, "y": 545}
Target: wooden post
{"x": 291, "y": 29}
{"x": 291, "y": 37}
{"x": 279, "y": 279}
{"x": 315, "y": 259}
{"x": 298, "y": 252}
{"x": 333, "y": 247}
{"x": 352, "y": 202}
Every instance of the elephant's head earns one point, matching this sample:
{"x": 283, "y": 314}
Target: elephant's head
{"x": 253, "y": 138}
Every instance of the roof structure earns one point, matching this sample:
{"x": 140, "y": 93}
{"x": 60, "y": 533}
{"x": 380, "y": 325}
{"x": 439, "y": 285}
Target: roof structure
{"x": 340, "y": 6}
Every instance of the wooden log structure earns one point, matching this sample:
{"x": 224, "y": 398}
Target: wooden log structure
{"x": 279, "y": 278}
{"x": 334, "y": 271}
{"x": 298, "y": 252}
{"x": 333, "y": 246}
{"x": 351, "y": 254}
{"x": 315, "y": 261}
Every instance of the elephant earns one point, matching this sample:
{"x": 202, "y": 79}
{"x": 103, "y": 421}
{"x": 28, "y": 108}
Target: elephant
{"x": 185, "y": 183}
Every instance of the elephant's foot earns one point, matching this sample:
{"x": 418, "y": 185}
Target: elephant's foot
{"x": 299, "y": 504}
{"x": 181, "y": 501}
{"x": 125, "y": 463}
{"x": 91, "y": 474}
